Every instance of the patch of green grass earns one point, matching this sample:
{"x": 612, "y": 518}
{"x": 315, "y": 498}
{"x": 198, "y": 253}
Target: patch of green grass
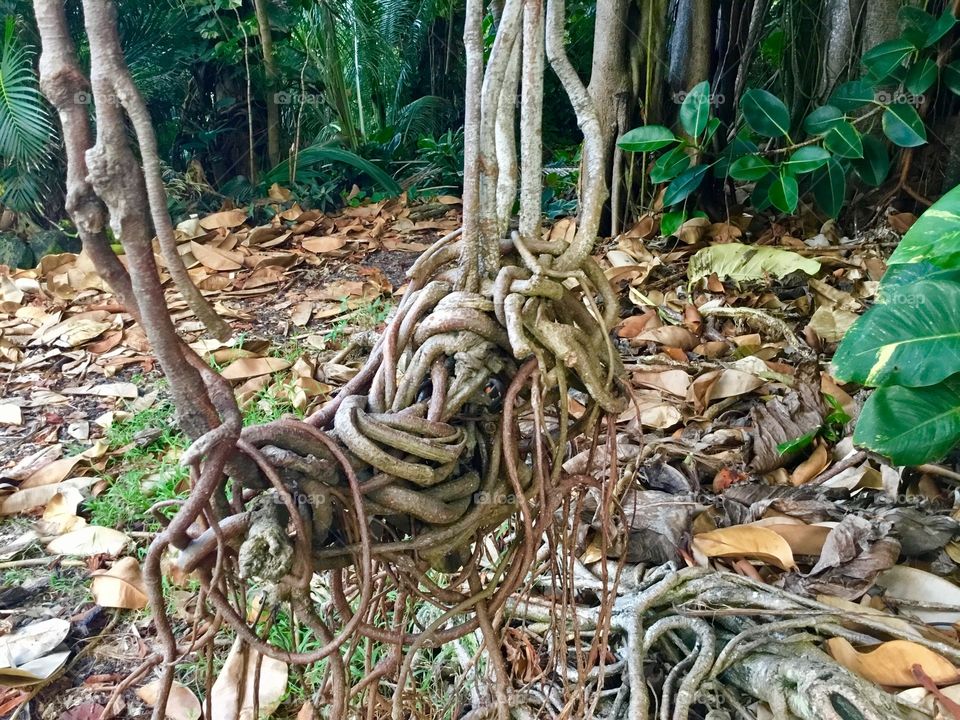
{"x": 126, "y": 501}
{"x": 66, "y": 582}
{"x": 14, "y": 577}
{"x": 271, "y": 403}
{"x": 160, "y": 416}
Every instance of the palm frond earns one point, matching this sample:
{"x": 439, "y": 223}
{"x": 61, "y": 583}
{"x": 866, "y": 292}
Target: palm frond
{"x": 324, "y": 155}
{"x": 25, "y": 125}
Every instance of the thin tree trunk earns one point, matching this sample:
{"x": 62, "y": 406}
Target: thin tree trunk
{"x": 270, "y": 70}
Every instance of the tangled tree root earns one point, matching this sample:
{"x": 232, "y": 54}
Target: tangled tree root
{"x": 718, "y": 640}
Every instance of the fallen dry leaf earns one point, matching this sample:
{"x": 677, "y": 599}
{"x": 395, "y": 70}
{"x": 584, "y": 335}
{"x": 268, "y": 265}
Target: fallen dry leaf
{"x": 240, "y": 669}
{"x": 748, "y": 541}
{"x": 245, "y": 368}
{"x": 891, "y": 663}
{"x": 91, "y": 540}
{"x": 121, "y": 586}
{"x": 182, "y": 704}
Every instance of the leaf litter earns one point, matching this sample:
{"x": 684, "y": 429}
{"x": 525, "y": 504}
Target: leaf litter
{"x": 730, "y": 458}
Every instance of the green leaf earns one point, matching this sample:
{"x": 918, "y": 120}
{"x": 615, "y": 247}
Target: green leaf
{"x": 646, "y": 138}
{"x": 875, "y": 165}
{"x": 321, "y": 154}
{"x": 760, "y": 197}
{"x": 785, "y": 193}
{"x": 822, "y": 119}
{"x": 695, "y": 109}
{"x": 688, "y": 181}
{"x": 740, "y": 146}
{"x": 806, "y": 159}
{"x": 911, "y": 426}
{"x": 852, "y": 95}
{"x": 951, "y": 77}
{"x": 671, "y": 222}
{"x": 903, "y": 126}
{"x": 922, "y": 74}
{"x": 916, "y": 24}
{"x": 713, "y": 124}
{"x": 792, "y": 446}
{"x": 884, "y": 58}
{"x": 830, "y": 187}
{"x": 748, "y": 262}
{"x": 765, "y": 113}
{"x": 669, "y": 165}
{"x": 941, "y": 27}
{"x": 934, "y": 237}
{"x": 844, "y": 141}
{"x": 750, "y": 167}
{"x": 901, "y": 274}
{"x": 894, "y": 343}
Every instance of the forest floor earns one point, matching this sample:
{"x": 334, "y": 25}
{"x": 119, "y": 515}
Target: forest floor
{"x": 735, "y": 453}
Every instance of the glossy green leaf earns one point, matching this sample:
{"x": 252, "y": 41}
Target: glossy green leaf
{"x": 785, "y": 193}
{"x": 792, "y": 446}
{"x": 911, "y": 426}
{"x": 669, "y": 165}
{"x": 713, "y": 124}
{"x": 740, "y": 146}
{"x": 844, "y": 141}
{"x": 899, "y": 275}
{"x": 884, "y": 58}
{"x": 893, "y": 343}
{"x": 921, "y": 76}
{"x": 916, "y": 24}
{"x": 695, "y": 109}
{"x": 671, "y": 222}
{"x": 830, "y": 187}
{"x": 760, "y": 197}
{"x": 934, "y": 237}
{"x": 750, "y": 168}
{"x": 852, "y": 95}
{"x": 874, "y": 167}
{"x": 765, "y": 113}
{"x": 903, "y": 125}
{"x": 941, "y": 27}
{"x": 822, "y": 119}
{"x": 681, "y": 187}
{"x": 647, "y": 138}
{"x": 806, "y": 159}
{"x": 951, "y": 77}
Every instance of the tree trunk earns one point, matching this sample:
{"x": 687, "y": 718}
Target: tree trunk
{"x": 270, "y": 70}
{"x": 841, "y": 20}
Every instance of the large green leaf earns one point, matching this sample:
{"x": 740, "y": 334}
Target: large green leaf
{"x": 935, "y": 236}
{"x": 941, "y": 27}
{"x": 750, "y": 167}
{"x": 806, "y": 159}
{"x": 912, "y": 338}
{"x": 830, "y": 187}
{"x": 903, "y": 125}
{"x": 647, "y": 138}
{"x": 911, "y": 426}
{"x": 922, "y": 75}
{"x": 669, "y": 165}
{"x": 852, "y": 95}
{"x": 748, "y": 262}
{"x": 874, "y": 167}
{"x": 695, "y": 109}
{"x": 25, "y": 126}
{"x": 901, "y": 274}
{"x": 784, "y": 193}
{"x": 886, "y": 57}
{"x": 688, "y": 181}
{"x": 765, "y": 113}
{"x": 844, "y": 141}
{"x": 327, "y": 154}
{"x": 822, "y": 119}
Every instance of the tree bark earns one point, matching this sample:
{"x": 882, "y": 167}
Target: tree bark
{"x": 270, "y": 70}
{"x": 841, "y": 20}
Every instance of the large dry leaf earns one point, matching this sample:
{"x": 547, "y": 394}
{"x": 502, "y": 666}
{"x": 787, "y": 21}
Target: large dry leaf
{"x": 32, "y": 641}
{"x": 669, "y": 335}
{"x": 24, "y": 500}
{"x": 323, "y": 244}
{"x": 224, "y": 219}
{"x": 54, "y": 472}
{"x": 891, "y": 663}
{"x": 253, "y": 367}
{"x": 719, "y": 384}
{"x": 74, "y": 331}
{"x": 88, "y": 541}
{"x": 675, "y": 382}
{"x": 748, "y": 541}
{"x": 32, "y": 463}
{"x": 115, "y": 389}
{"x": 913, "y": 588}
{"x": 121, "y": 586}
{"x": 10, "y": 414}
{"x": 748, "y": 262}
{"x": 240, "y": 670}
{"x": 182, "y": 704}
{"x": 34, "y": 671}
{"x": 803, "y": 539}
{"x": 215, "y": 258}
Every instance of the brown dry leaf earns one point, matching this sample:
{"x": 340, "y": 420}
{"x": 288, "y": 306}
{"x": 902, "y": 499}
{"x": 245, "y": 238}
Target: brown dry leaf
{"x": 306, "y": 711}
{"x": 300, "y": 315}
{"x": 719, "y": 384}
{"x": 245, "y": 368}
{"x": 675, "y": 382}
{"x": 240, "y": 669}
{"x": 30, "y": 464}
{"x": 746, "y": 541}
{"x": 803, "y": 539}
{"x": 324, "y": 243}
{"x": 901, "y": 222}
{"x": 811, "y": 467}
{"x": 74, "y": 331}
{"x": 914, "y": 587}
{"x": 182, "y": 704}
{"x": 121, "y": 586}
{"x": 693, "y": 230}
{"x": 54, "y": 472}
{"x": 88, "y": 541}
{"x": 898, "y": 625}
{"x": 265, "y": 275}
{"x": 216, "y": 259}
{"x": 891, "y": 663}
{"x": 831, "y": 324}
{"x": 670, "y": 335}
{"x": 224, "y": 219}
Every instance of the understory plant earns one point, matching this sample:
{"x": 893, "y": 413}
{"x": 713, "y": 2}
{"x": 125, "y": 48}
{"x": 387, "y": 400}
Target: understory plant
{"x": 784, "y": 158}
{"x": 907, "y": 345}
